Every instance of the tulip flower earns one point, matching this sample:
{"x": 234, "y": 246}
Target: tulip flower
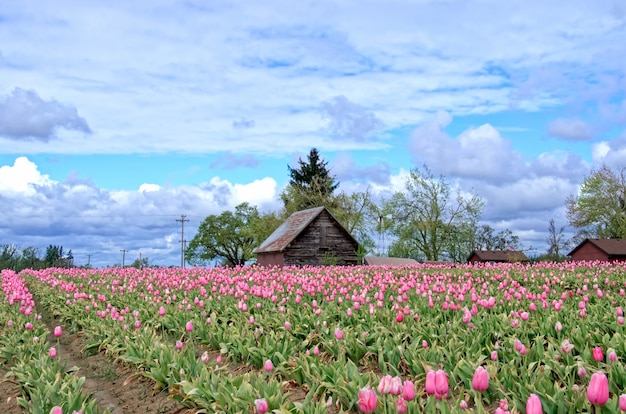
{"x": 56, "y": 410}
{"x": 53, "y": 352}
{"x": 463, "y": 405}
{"x": 430, "y": 382}
{"x": 29, "y": 326}
{"x": 338, "y": 334}
{"x": 567, "y": 346}
{"x": 408, "y": 390}
{"x": 582, "y": 371}
{"x": 268, "y": 365}
{"x": 189, "y": 326}
{"x": 161, "y": 311}
{"x": 494, "y": 355}
{"x": 204, "y": 357}
{"x": 367, "y": 400}
{"x": 396, "y": 386}
{"x": 400, "y": 405}
{"x": 261, "y": 406}
{"x": 598, "y": 355}
{"x": 384, "y": 386}
{"x": 480, "y": 382}
{"x": 622, "y": 402}
{"x": 598, "y": 389}
{"x": 533, "y": 405}
{"x": 179, "y": 345}
{"x": 441, "y": 384}
{"x": 58, "y": 331}
{"x": 612, "y": 356}
{"x": 399, "y": 317}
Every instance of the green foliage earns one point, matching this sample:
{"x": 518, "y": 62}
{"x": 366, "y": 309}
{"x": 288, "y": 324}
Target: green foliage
{"x": 310, "y": 185}
{"x": 599, "y": 208}
{"x": 427, "y": 217}
{"x": 229, "y": 236}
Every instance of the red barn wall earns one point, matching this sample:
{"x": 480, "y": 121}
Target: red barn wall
{"x": 589, "y": 252}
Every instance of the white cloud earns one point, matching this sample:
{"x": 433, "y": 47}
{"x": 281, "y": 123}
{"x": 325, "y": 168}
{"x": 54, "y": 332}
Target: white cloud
{"x": 21, "y": 178}
{"x": 24, "y": 115}
{"x": 570, "y": 129}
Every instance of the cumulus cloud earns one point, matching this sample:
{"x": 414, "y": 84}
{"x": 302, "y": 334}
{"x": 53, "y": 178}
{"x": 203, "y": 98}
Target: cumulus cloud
{"x": 477, "y": 153}
{"x": 38, "y": 211}
{"x": 344, "y": 167}
{"x": 570, "y": 129}
{"x": 25, "y": 116}
{"x": 231, "y": 161}
{"x": 22, "y": 178}
{"x": 349, "y": 121}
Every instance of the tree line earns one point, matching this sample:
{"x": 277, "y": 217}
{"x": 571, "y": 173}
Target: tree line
{"x": 430, "y": 220}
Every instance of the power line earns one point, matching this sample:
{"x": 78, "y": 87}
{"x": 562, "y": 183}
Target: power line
{"x": 182, "y": 221}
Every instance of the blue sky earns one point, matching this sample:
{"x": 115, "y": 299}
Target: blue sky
{"x": 118, "y": 117}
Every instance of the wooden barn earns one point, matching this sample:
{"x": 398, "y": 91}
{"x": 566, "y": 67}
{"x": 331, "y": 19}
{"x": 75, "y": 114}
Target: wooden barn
{"x": 497, "y": 256}
{"x": 609, "y": 250}
{"x": 309, "y": 237}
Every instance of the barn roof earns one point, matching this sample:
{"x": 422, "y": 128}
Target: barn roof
{"x": 389, "y": 261}
{"x": 500, "y": 255}
{"x": 291, "y": 228}
{"x": 612, "y": 247}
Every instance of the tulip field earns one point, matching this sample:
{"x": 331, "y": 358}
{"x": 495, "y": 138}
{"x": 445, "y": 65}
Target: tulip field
{"x": 507, "y": 338}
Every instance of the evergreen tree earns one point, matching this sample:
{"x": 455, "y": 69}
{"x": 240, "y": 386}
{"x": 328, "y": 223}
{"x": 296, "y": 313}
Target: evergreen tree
{"x": 310, "y": 185}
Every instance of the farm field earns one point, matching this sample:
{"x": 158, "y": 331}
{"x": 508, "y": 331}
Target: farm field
{"x": 428, "y": 338}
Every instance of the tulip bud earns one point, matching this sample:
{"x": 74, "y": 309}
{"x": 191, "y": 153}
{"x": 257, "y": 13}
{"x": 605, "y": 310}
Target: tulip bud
{"x": 480, "y": 382}
{"x": 58, "y": 331}
{"x": 622, "y": 402}
{"x": 268, "y": 366}
{"x": 261, "y": 406}
{"x": 53, "y": 352}
{"x": 533, "y": 405}
{"x": 598, "y": 389}
{"x": 598, "y": 355}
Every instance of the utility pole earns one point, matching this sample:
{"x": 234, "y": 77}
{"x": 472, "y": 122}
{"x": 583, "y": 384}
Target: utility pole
{"x": 182, "y": 239}
{"x": 123, "y": 256}
{"x": 89, "y": 260}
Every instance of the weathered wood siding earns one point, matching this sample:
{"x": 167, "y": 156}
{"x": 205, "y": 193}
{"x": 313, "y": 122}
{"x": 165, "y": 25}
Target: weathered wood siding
{"x": 323, "y": 237}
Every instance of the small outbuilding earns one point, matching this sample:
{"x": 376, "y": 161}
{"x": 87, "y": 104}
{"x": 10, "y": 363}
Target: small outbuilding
{"x": 309, "y": 237}
{"x": 609, "y": 250}
{"x": 497, "y": 256}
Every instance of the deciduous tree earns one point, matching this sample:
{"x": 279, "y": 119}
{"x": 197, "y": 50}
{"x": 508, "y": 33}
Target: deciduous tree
{"x": 427, "y": 214}
{"x": 599, "y": 208}
{"x": 229, "y": 237}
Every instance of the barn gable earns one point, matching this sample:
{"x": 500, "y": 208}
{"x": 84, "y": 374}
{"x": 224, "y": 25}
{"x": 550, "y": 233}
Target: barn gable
{"x": 308, "y": 237}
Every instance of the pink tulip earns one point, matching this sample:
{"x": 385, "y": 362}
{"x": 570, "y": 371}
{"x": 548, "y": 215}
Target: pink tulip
{"x": 424, "y": 344}
{"x": 598, "y": 389}
{"x": 494, "y": 355}
{"x": 408, "y": 390}
{"x": 400, "y": 405}
{"x": 396, "y": 386}
{"x": 558, "y": 327}
{"x": 399, "y": 317}
{"x": 316, "y": 350}
{"x": 463, "y": 405}
{"x": 612, "y": 356}
{"x": 261, "y": 406}
{"x": 204, "y": 357}
{"x": 179, "y": 345}
{"x": 480, "y": 382}
{"x": 430, "y": 382}
{"x": 161, "y": 311}
{"x": 384, "y": 386}
{"x": 268, "y": 366}
{"x": 622, "y": 402}
{"x": 567, "y": 346}
{"x": 56, "y": 410}
{"x": 367, "y": 400}
{"x": 533, "y": 405}
{"x": 441, "y": 384}
{"x": 582, "y": 371}
{"x": 287, "y": 325}
{"x": 58, "y": 331}
{"x": 338, "y": 334}
{"x": 29, "y": 326}
{"x": 53, "y": 352}
{"x": 10, "y": 324}
{"x": 189, "y": 326}
{"x": 598, "y": 355}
